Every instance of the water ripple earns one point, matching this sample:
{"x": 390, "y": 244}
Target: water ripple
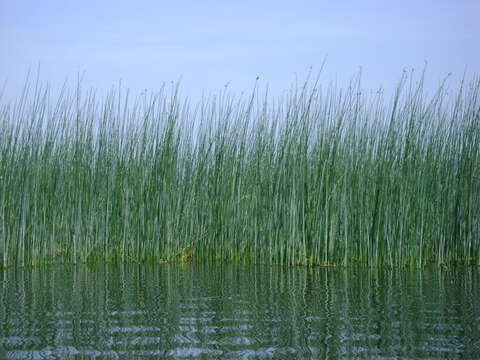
{"x": 237, "y": 312}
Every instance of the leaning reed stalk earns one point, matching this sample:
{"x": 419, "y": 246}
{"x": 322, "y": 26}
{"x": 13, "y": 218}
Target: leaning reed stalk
{"x": 320, "y": 176}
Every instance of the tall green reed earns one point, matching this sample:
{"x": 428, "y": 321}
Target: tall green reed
{"x": 321, "y": 175}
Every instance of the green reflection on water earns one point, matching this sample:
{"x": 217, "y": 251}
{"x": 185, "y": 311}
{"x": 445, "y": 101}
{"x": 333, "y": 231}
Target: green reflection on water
{"x": 227, "y": 311}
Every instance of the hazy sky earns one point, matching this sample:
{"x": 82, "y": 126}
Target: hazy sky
{"x": 210, "y": 43}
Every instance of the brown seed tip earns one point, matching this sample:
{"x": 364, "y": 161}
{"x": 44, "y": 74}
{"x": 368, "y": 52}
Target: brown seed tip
{"x": 258, "y": 77}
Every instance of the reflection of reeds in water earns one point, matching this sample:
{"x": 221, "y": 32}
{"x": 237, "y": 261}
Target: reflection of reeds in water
{"x": 320, "y": 177}
{"x": 290, "y": 312}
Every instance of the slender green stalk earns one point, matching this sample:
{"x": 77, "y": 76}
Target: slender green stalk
{"x": 322, "y": 176}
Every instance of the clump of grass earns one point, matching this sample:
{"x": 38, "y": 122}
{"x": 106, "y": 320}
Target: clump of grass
{"x": 320, "y": 176}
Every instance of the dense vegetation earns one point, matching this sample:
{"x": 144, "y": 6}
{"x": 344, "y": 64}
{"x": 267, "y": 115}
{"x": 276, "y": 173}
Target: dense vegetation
{"x": 319, "y": 176}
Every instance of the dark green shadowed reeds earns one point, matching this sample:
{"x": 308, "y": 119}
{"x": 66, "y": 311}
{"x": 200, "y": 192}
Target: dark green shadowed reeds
{"x": 320, "y": 176}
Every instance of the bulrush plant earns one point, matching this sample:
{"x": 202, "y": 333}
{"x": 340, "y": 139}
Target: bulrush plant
{"x": 320, "y": 176}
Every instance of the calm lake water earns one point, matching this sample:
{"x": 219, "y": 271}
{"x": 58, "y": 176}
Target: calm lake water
{"x": 238, "y": 312}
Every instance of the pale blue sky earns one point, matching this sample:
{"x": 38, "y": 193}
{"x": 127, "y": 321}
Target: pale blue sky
{"x": 210, "y": 43}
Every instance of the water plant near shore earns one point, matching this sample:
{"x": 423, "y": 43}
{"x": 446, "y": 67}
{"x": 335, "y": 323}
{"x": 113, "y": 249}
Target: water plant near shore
{"x": 319, "y": 176}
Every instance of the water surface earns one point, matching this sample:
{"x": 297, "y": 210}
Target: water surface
{"x": 237, "y": 312}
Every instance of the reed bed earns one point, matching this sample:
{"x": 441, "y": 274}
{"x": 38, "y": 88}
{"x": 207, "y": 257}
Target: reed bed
{"x": 320, "y": 176}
